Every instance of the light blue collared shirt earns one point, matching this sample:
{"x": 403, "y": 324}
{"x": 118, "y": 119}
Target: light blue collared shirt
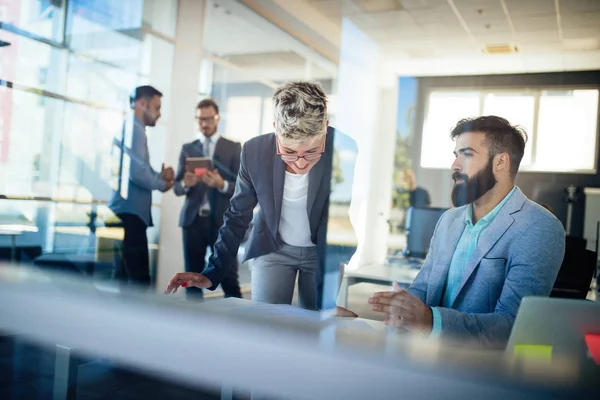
{"x": 464, "y": 250}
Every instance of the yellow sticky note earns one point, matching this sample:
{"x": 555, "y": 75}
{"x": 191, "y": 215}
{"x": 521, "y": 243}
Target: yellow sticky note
{"x": 534, "y": 351}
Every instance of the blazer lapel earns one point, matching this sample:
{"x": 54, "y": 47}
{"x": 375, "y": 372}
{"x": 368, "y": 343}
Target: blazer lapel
{"x": 218, "y": 149}
{"x": 197, "y": 146}
{"x": 439, "y": 270}
{"x": 278, "y": 182}
{"x": 315, "y": 177}
{"x": 490, "y": 236}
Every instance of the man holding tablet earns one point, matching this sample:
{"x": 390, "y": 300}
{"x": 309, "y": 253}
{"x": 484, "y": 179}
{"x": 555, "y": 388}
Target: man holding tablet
{"x": 206, "y": 176}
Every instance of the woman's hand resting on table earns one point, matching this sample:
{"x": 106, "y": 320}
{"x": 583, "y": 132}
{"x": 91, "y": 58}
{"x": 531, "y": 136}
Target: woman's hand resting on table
{"x": 188, "y": 279}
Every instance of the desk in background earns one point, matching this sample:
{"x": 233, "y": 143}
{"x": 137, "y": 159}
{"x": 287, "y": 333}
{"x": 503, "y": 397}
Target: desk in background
{"x": 13, "y": 230}
{"x": 404, "y": 274}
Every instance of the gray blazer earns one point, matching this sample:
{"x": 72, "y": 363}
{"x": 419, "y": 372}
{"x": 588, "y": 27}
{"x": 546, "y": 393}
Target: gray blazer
{"x": 227, "y": 160}
{"x": 260, "y": 182}
{"x": 518, "y": 254}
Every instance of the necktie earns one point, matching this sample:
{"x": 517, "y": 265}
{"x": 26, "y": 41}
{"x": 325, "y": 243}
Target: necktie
{"x": 207, "y": 148}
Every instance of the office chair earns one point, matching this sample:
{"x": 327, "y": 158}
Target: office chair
{"x": 576, "y": 272}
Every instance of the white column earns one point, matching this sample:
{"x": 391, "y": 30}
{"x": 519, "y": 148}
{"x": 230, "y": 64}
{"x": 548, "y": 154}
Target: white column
{"x": 184, "y": 95}
{"x": 366, "y": 112}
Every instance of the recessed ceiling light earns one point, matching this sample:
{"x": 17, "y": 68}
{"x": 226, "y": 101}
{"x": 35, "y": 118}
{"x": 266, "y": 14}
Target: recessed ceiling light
{"x": 500, "y": 48}
{"x": 379, "y": 6}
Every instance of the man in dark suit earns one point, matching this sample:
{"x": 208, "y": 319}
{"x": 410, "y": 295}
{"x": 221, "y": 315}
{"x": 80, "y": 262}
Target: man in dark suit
{"x": 207, "y": 197}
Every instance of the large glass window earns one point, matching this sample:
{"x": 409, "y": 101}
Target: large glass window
{"x": 70, "y": 67}
{"x": 562, "y": 125}
{"x": 37, "y": 17}
{"x": 445, "y": 108}
{"x": 567, "y": 130}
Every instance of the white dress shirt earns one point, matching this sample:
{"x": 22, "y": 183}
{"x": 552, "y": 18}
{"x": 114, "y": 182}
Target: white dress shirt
{"x": 211, "y": 152}
{"x": 294, "y": 226}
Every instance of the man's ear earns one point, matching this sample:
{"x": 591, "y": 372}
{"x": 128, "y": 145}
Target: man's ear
{"x": 501, "y": 162}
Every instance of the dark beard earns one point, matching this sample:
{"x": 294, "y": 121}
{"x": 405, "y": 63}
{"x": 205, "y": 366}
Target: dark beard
{"x": 472, "y": 189}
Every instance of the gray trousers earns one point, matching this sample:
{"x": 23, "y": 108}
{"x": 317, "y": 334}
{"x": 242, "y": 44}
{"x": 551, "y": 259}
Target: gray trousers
{"x": 274, "y": 276}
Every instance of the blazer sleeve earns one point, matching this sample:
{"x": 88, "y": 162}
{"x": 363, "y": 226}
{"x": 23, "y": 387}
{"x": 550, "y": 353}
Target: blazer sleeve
{"x": 141, "y": 173}
{"x": 179, "y": 189}
{"x": 532, "y": 271}
{"x": 235, "y": 224}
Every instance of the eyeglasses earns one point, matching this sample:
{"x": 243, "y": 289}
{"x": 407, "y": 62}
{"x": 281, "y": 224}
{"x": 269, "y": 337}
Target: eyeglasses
{"x": 208, "y": 119}
{"x": 310, "y": 157}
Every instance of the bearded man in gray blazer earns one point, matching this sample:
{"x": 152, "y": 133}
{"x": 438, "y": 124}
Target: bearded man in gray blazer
{"x": 489, "y": 252}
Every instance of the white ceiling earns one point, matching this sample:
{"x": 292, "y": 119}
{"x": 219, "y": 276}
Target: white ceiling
{"x": 440, "y": 37}
{"x": 415, "y": 37}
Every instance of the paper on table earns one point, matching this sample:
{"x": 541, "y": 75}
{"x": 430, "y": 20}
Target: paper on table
{"x": 353, "y": 326}
{"x": 285, "y": 312}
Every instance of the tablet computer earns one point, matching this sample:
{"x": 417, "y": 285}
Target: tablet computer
{"x": 198, "y": 165}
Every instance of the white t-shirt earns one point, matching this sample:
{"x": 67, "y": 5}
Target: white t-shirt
{"x": 294, "y": 226}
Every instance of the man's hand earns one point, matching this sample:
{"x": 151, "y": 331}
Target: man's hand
{"x": 167, "y": 174}
{"x": 190, "y": 180}
{"x": 403, "y": 310}
{"x": 188, "y": 279}
{"x": 168, "y": 186}
{"x": 213, "y": 179}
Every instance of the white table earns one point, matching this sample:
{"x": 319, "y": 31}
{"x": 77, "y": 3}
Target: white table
{"x": 328, "y": 326}
{"x": 403, "y": 274}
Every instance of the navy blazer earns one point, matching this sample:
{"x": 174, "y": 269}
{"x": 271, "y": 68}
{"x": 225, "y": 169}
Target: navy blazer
{"x": 260, "y": 182}
{"x": 226, "y": 159}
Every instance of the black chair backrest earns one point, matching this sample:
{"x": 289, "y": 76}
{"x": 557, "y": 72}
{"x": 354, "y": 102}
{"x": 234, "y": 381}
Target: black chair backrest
{"x": 576, "y": 272}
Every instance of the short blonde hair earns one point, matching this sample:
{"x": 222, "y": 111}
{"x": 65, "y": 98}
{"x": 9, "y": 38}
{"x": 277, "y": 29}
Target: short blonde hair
{"x": 300, "y": 110}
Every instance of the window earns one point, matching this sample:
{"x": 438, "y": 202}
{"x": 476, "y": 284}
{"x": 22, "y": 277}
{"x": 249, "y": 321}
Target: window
{"x": 38, "y": 17}
{"x": 445, "y": 109}
{"x": 72, "y": 65}
{"x": 562, "y": 125}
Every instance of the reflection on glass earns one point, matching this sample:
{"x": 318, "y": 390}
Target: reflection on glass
{"x": 107, "y": 30}
{"x": 444, "y": 110}
{"x": 25, "y": 169}
{"x": 161, "y": 16}
{"x": 98, "y": 83}
{"x": 157, "y": 66}
{"x": 29, "y": 62}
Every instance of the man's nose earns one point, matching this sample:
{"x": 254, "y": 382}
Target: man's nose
{"x": 455, "y": 166}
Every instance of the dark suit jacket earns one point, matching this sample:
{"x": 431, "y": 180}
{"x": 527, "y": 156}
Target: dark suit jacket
{"x": 227, "y": 160}
{"x": 260, "y": 181}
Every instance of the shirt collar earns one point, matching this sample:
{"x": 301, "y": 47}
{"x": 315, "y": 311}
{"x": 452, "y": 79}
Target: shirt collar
{"x": 489, "y": 216}
{"x": 213, "y": 139}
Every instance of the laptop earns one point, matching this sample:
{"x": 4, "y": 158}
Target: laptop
{"x": 557, "y": 329}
